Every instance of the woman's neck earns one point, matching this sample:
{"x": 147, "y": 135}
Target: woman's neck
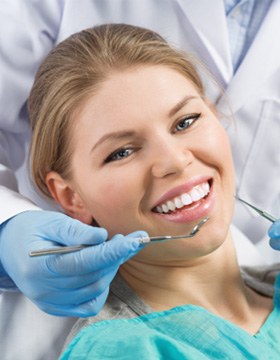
{"x": 213, "y": 282}
{"x": 200, "y": 281}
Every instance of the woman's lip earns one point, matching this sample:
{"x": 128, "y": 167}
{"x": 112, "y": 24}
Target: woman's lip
{"x": 193, "y": 212}
{"x": 179, "y": 190}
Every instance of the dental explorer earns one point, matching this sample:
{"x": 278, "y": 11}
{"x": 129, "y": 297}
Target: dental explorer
{"x": 263, "y": 213}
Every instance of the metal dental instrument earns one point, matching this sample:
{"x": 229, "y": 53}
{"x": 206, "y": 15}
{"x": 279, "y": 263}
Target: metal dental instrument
{"x": 259, "y": 211}
{"x": 142, "y": 240}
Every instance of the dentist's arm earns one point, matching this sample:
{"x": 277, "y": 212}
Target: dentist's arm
{"x": 74, "y": 284}
{"x": 274, "y": 234}
{"x": 28, "y": 31}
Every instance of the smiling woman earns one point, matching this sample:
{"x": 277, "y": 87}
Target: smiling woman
{"x": 124, "y": 137}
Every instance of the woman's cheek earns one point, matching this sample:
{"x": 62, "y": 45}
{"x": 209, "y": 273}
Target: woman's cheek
{"x": 218, "y": 143}
{"x": 111, "y": 201}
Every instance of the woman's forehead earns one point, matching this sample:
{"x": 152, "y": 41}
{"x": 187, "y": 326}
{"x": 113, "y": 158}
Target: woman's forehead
{"x": 141, "y": 85}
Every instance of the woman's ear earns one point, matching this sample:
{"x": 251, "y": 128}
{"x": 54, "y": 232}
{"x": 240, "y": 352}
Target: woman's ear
{"x": 67, "y": 197}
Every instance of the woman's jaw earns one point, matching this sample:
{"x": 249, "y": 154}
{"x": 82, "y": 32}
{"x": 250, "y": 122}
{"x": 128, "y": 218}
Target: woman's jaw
{"x": 182, "y": 220}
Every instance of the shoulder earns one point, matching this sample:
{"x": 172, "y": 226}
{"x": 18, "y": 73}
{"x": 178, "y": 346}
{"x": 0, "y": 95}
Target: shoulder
{"x": 114, "y": 308}
{"x": 122, "y": 303}
{"x": 261, "y": 278}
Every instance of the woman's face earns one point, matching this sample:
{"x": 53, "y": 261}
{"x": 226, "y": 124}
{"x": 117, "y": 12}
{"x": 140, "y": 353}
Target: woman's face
{"x": 150, "y": 154}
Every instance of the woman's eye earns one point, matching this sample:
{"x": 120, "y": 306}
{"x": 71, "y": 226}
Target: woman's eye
{"x": 186, "y": 122}
{"x": 119, "y": 155}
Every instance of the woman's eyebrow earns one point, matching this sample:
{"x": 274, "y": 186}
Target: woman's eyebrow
{"x": 181, "y": 104}
{"x": 114, "y": 135}
{"x": 117, "y": 135}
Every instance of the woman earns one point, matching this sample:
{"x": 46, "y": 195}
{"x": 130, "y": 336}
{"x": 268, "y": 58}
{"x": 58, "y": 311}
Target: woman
{"x": 124, "y": 137}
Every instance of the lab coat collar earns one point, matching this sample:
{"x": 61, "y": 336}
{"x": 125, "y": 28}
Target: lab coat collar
{"x": 211, "y": 42}
{"x": 260, "y": 62}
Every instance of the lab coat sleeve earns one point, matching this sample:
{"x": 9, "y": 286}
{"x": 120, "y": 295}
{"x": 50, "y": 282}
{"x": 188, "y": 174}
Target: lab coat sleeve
{"x": 28, "y": 31}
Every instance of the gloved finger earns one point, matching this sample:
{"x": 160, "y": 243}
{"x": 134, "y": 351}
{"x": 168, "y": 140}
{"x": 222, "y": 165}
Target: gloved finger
{"x": 275, "y": 244}
{"x": 274, "y": 234}
{"x": 89, "y": 308}
{"x": 68, "y": 231}
{"x": 94, "y": 258}
{"x": 74, "y": 282}
{"x": 274, "y": 230}
{"x": 137, "y": 235}
{"x": 81, "y": 294}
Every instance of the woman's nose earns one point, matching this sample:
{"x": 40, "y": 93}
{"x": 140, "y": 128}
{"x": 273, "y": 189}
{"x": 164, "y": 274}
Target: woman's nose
{"x": 170, "y": 158}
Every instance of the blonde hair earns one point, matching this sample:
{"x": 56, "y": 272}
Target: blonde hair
{"x": 73, "y": 71}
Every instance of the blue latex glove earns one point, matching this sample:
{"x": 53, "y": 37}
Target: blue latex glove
{"x": 73, "y": 284}
{"x": 274, "y": 234}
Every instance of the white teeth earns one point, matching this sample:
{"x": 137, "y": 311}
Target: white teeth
{"x": 171, "y": 205}
{"x": 186, "y": 199}
{"x": 178, "y": 202}
{"x": 195, "y": 194}
{"x": 159, "y": 209}
{"x": 206, "y": 188}
{"x": 201, "y": 192}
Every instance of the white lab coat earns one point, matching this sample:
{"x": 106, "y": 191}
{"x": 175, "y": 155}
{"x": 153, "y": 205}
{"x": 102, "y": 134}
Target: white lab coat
{"x": 29, "y": 29}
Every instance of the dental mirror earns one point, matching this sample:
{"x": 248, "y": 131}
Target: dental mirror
{"x": 142, "y": 240}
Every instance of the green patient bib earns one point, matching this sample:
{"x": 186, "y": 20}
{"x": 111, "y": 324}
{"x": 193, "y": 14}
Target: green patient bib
{"x": 184, "y": 332}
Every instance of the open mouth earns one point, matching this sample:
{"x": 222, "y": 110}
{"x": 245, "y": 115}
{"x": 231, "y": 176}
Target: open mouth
{"x": 184, "y": 200}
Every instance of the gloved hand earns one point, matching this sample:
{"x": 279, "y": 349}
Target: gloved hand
{"x": 274, "y": 234}
{"x": 73, "y": 284}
